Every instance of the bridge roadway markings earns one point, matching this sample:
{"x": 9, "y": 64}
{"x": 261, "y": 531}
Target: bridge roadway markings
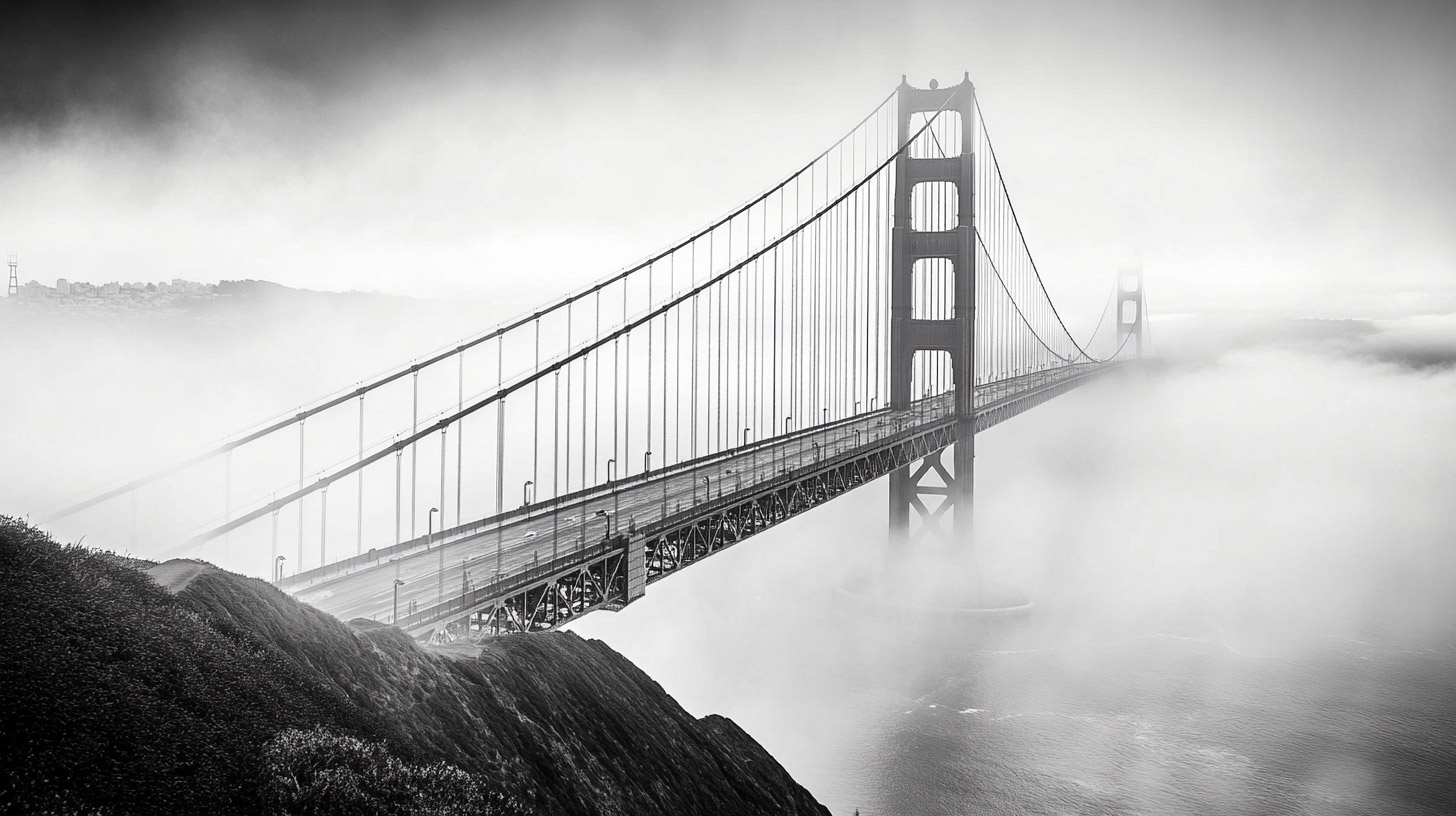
{"x": 368, "y": 592}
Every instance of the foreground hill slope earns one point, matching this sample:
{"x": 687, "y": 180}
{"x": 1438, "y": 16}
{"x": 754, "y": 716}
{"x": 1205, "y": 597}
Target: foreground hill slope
{"x": 196, "y": 690}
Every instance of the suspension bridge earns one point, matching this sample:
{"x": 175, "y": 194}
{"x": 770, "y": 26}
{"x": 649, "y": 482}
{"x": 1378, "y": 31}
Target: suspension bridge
{"x": 861, "y": 318}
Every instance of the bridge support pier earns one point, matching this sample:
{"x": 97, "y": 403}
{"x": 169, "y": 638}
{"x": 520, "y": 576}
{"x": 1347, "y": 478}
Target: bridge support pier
{"x": 919, "y": 252}
{"x": 948, "y": 514}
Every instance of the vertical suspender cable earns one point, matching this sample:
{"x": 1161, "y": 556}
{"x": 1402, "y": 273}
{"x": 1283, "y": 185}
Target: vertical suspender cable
{"x": 460, "y": 439}
{"x": 566, "y": 460}
{"x": 300, "y": 487}
{"x": 414, "y": 449}
{"x": 647, "y": 395}
{"x": 536, "y": 408}
{"x": 359, "y": 519}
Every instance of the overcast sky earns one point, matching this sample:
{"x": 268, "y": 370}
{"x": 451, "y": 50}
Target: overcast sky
{"x": 1293, "y": 158}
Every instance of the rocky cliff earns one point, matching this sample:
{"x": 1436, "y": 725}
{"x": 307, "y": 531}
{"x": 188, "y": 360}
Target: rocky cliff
{"x": 184, "y": 688}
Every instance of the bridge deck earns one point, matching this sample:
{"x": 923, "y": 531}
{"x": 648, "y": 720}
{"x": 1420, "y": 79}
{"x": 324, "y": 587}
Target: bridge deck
{"x": 509, "y": 551}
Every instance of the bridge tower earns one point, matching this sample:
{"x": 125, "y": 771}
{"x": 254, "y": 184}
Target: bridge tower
{"x": 1130, "y": 308}
{"x": 915, "y": 251}
{"x": 14, "y": 288}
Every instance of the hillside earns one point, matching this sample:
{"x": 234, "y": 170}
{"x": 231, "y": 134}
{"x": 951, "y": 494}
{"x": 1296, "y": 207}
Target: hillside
{"x": 228, "y": 696}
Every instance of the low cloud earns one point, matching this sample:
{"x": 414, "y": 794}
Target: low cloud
{"x": 1270, "y": 502}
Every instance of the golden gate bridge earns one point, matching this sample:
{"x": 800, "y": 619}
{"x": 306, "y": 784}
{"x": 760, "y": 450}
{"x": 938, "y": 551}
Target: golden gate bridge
{"x": 862, "y": 317}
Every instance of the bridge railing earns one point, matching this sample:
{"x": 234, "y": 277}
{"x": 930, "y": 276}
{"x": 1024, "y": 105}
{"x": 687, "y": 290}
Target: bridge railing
{"x": 380, "y": 556}
{"x": 924, "y": 413}
{"x": 933, "y": 415}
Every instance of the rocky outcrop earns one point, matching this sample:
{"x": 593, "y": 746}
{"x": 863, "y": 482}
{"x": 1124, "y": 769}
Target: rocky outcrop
{"x": 125, "y": 696}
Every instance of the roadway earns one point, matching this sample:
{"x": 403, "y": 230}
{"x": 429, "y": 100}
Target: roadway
{"x": 476, "y": 553}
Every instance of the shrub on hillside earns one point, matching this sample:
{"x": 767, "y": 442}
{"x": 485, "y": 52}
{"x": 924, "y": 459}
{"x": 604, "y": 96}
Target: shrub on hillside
{"x": 319, "y": 773}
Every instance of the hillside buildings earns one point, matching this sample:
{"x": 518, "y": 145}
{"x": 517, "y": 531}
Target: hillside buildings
{"x": 79, "y": 292}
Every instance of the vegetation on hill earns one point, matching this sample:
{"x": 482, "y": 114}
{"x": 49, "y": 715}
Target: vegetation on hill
{"x": 228, "y": 696}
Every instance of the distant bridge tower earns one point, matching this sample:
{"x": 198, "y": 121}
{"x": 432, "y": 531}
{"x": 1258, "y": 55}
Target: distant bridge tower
{"x": 1130, "y": 308}
{"x": 918, "y": 252}
{"x": 14, "y": 288}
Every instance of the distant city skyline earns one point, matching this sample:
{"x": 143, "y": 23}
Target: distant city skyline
{"x": 83, "y": 292}
{"x": 66, "y": 285}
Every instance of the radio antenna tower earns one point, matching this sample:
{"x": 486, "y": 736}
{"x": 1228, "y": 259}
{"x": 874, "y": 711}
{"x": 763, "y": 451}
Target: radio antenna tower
{"x": 14, "y": 288}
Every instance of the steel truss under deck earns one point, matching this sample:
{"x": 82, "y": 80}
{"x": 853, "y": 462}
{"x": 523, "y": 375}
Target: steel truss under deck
{"x": 598, "y": 583}
{"x": 721, "y": 524}
{"x": 614, "y": 572}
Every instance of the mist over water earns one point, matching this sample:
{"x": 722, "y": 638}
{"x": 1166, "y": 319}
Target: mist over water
{"x": 1240, "y": 563}
{"x": 99, "y": 398}
{"x": 1241, "y": 568}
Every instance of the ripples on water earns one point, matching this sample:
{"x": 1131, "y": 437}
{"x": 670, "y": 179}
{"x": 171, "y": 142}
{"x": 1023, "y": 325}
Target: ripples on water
{"x": 1015, "y": 718}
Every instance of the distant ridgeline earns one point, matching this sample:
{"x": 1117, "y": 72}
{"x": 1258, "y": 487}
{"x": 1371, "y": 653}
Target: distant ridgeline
{"x": 276, "y": 293}
{"x": 251, "y": 287}
{"x": 187, "y": 689}
{"x": 262, "y": 288}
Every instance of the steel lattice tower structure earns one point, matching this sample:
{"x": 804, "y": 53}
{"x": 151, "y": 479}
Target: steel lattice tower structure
{"x": 955, "y": 336}
{"x": 14, "y": 288}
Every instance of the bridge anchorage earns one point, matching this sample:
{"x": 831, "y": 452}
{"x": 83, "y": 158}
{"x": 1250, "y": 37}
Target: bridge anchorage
{"x": 872, "y": 311}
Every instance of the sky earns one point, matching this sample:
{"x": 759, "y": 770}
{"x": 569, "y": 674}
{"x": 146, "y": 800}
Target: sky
{"x": 1290, "y": 159}
{"x": 1275, "y": 160}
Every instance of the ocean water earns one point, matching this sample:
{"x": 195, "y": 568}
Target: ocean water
{"x": 1056, "y": 713}
{"x": 1245, "y": 603}
{"x": 1053, "y": 713}
{"x": 1035, "y": 718}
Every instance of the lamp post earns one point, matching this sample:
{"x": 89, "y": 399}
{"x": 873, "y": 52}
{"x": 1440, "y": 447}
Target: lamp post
{"x": 535, "y": 554}
{"x": 708, "y": 488}
{"x": 429, "y": 536}
{"x": 606, "y": 514}
{"x": 526, "y": 493}
{"x": 394, "y": 617}
{"x": 611, "y": 479}
{"x": 465, "y": 590}
{"x": 784, "y": 451}
{"x": 278, "y": 568}
{"x": 824, "y": 428}
{"x": 646, "y": 461}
